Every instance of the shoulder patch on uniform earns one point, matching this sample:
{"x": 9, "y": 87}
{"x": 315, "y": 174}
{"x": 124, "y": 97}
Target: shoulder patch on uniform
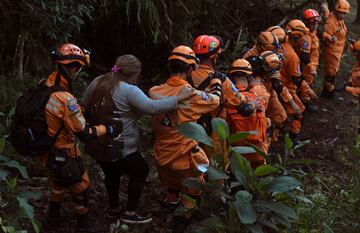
{"x": 72, "y": 105}
{"x": 204, "y": 96}
{"x": 305, "y": 44}
{"x": 233, "y": 87}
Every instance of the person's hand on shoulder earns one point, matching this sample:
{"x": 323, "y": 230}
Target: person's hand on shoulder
{"x": 185, "y": 93}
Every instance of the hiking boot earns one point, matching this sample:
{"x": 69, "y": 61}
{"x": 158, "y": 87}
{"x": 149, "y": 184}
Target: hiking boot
{"x": 114, "y": 212}
{"x": 56, "y": 214}
{"x": 135, "y": 219}
{"x": 85, "y": 225}
{"x": 173, "y": 198}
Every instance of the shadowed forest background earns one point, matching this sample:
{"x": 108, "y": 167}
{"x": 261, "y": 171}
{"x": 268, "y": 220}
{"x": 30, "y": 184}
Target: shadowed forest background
{"x": 149, "y": 29}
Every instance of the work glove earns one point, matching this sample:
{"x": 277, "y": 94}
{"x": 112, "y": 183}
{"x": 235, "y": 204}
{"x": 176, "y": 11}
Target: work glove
{"x": 112, "y": 131}
{"x": 220, "y": 75}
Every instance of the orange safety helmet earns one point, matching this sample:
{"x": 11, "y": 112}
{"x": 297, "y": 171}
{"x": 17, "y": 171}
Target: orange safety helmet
{"x": 68, "y": 53}
{"x": 185, "y": 54}
{"x": 279, "y": 32}
{"x": 240, "y": 65}
{"x": 311, "y": 16}
{"x": 270, "y": 61}
{"x": 297, "y": 28}
{"x": 355, "y": 47}
{"x": 342, "y": 6}
{"x": 268, "y": 41}
{"x": 207, "y": 46}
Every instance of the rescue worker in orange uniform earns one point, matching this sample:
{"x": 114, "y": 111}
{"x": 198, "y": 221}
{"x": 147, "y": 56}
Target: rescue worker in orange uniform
{"x": 300, "y": 39}
{"x": 266, "y": 41}
{"x": 177, "y": 157}
{"x": 290, "y": 77}
{"x": 353, "y": 86}
{"x": 66, "y": 122}
{"x": 248, "y": 116}
{"x": 334, "y": 38}
{"x": 207, "y": 48}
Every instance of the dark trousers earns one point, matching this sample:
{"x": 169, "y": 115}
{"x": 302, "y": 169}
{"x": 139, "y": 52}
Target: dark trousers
{"x": 133, "y": 165}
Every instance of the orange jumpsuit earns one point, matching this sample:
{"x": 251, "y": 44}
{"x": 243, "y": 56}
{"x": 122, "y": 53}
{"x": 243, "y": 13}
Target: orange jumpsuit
{"x": 355, "y": 86}
{"x": 311, "y": 68}
{"x": 176, "y": 156}
{"x": 230, "y": 97}
{"x": 304, "y": 46}
{"x": 62, "y": 110}
{"x": 291, "y": 68}
{"x": 256, "y": 121}
{"x": 332, "y": 51}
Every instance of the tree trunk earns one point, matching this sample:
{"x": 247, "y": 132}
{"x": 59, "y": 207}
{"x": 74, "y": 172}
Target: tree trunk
{"x": 20, "y": 73}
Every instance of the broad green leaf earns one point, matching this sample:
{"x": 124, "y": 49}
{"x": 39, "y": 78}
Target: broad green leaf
{"x": 288, "y": 142}
{"x": 244, "y": 208}
{"x": 240, "y": 164}
{"x": 36, "y": 225}
{"x": 214, "y": 174}
{"x": 11, "y": 182}
{"x": 301, "y": 144}
{"x": 20, "y": 168}
{"x": 193, "y": 183}
{"x": 265, "y": 170}
{"x": 3, "y": 158}
{"x": 3, "y": 174}
{"x": 279, "y": 208}
{"x": 214, "y": 222}
{"x": 255, "y": 229}
{"x": 31, "y": 195}
{"x": 220, "y": 127}
{"x": 264, "y": 182}
{"x": 2, "y": 144}
{"x": 27, "y": 209}
{"x": 243, "y": 150}
{"x": 282, "y": 184}
{"x": 233, "y": 138}
{"x": 301, "y": 161}
{"x": 196, "y": 132}
{"x": 267, "y": 223}
{"x": 259, "y": 151}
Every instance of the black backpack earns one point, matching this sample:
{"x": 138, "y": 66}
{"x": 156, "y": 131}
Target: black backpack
{"x": 28, "y": 133}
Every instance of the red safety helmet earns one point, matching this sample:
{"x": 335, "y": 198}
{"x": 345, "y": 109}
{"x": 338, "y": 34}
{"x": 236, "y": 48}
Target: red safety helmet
{"x": 207, "y": 46}
{"x": 311, "y": 16}
{"x": 68, "y": 53}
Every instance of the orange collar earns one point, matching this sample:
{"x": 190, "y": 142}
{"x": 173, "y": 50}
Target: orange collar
{"x": 176, "y": 81}
{"x": 51, "y": 80}
{"x": 206, "y": 67}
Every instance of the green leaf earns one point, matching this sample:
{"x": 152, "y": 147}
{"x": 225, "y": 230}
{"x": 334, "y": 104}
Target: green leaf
{"x": 31, "y": 195}
{"x": 214, "y": 222}
{"x": 301, "y": 161}
{"x": 214, "y": 174}
{"x": 255, "y": 229}
{"x": 267, "y": 223}
{"x": 241, "y": 168}
{"x": 282, "y": 210}
{"x": 304, "y": 143}
{"x": 193, "y": 183}
{"x": 20, "y": 168}
{"x": 3, "y": 174}
{"x": 27, "y": 209}
{"x": 243, "y": 150}
{"x": 2, "y": 144}
{"x": 259, "y": 151}
{"x": 3, "y": 158}
{"x": 282, "y": 184}
{"x": 36, "y": 225}
{"x": 11, "y": 182}
{"x": 244, "y": 208}
{"x": 233, "y": 138}
{"x": 195, "y": 132}
{"x": 288, "y": 143}
{"x": 265, "y": 170}
{"x": 221, "y": 128}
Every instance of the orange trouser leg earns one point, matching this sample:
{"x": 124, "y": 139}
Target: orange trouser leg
{"x": 79, "y": 194}
{"x": 173, "y": 179}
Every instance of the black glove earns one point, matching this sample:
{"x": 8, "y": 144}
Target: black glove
{"x": 220, "y": 75}
{"x": 346, "y": 84}
{"x": 245, "y": 109}
{"x": 114, "y": 130}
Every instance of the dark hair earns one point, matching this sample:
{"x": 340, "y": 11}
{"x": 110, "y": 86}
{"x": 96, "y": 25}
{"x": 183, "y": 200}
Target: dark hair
{"x": 237, "y": 74}
{"x": 127, "y": 69}
{"x": 178, "y": 66}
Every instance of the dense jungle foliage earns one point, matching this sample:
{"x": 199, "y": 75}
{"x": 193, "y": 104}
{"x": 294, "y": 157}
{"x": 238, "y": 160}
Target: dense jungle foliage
{"x": 328, "y": 200}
